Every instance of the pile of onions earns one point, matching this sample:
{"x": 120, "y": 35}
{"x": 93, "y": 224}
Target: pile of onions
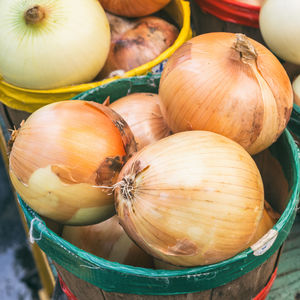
{"x": 149, "y": 37}
{"x": 296, "y": 89}
{"x": 64, "y": 156}
{"x": 280, "y": 27}
{"x": 109, "y": 241}
{"x": 133, "y": 8}
{"x": 192, "y": 198}
{"x": 47, "y": 44}
{"x": 142, "y": 113}
{"x": 229, "y": 84}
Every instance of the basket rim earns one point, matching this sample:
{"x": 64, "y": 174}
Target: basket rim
{"x": 38, "y": 224}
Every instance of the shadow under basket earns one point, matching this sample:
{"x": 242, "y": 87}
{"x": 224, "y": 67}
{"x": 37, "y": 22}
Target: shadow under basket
{"x": 240, "y": 277}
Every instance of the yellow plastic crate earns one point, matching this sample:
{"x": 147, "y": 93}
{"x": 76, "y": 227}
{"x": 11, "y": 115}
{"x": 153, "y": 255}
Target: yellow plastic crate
{"x": 29, "y": 100}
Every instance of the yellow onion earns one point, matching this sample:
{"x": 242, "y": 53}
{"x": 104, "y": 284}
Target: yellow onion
{"x": 64, "y": 154}
{"x": 142, "y": 113}
{"x": 118, "y": 25}
{"x": 192, "y": 198}
{"x": 47, "y": 44}
{"x": 279, "y": 24}
{"x": 268, "y": 220}
{"x": 133, "y": 8}
{"x": 108, "y": 240}
{"x": 144, "y": 42}
{"x": 296, "y": 89}
{"x": 229, "y": 84}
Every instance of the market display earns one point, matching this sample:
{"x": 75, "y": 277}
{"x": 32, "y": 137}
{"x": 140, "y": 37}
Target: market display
{"x": 153, "y": 180}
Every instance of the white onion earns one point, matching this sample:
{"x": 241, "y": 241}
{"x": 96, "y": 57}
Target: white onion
{"x": 280, "y": 27}
{"x": 68, "y": 45}
{"x": 296, "y": 89}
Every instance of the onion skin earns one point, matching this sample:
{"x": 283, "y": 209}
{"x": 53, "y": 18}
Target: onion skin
{"x": 109, "y": 241}
{"x": 229, "y": 84}
{"x": 193, "y": 198}
{"x": 63, "y": 154}
{"x": 46, "y": 54}
{"x": 144, "y": 42}
{"x": 142, "y": 113}
{"x": 296, "y": 89}
{"x": 118, "y": 25}
{"x": 279, "y": 25}
{"x": 133, "y": 8}
{"x": 268, "y": 220}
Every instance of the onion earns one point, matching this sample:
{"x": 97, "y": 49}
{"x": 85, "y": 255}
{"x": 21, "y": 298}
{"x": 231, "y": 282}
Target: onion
{"x": 144, "y": 42}
{"x": 228, "y": 84}
{"x": 268, "y": 220}
{"x": 142, "y": 113}
{"x": 118, "y": 25}
{"x": 64, "y": 154}
{"x": 192, "y": 198}
{"x": 47, "y": 44}
{"x": 133, "y": 8}
{"x": 280, "y": 27}
{"x": 296, "y": 88}
{"x": 109, "y": 241}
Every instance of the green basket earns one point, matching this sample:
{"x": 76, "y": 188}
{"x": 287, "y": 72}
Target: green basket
{"x": 115, "y": 277}
{"x": 294, "y": 123}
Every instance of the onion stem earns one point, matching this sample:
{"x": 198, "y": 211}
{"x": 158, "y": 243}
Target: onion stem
{"x": 34, "y": 15}
{"x": 244, "y": 46}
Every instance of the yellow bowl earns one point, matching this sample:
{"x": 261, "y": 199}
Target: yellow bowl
{"x": 29, "y": 100}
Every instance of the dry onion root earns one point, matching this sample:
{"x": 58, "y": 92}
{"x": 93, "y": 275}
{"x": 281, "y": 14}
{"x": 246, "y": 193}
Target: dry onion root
{"x": 109, "y": 241}
{"x": 193, "y": 198}
{"x": 64, "y": 156}
{"x": 133, "y": 8}
{"x": 142, "y": 113}
{"x": 139, "y": 45}
{"x": 229, "y": 84}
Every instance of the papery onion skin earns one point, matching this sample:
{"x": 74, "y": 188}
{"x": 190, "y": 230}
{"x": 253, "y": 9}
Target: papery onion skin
{"x": 268, "y": 220}
{"x": 108, "y": 240}
{"x": 142, "y": 113}
{"x": 280, "y": 27}
{"x": 193, "y": 198}
{"x": 150, "y": 37}
{"x": 118, "y": 25}
{"x": 296, "y": 89}
{"x": 228, "y": 84}
{"x": 64, "y": 154}
{"x": 133, "y": 8}
{"x": 68, "y": 46}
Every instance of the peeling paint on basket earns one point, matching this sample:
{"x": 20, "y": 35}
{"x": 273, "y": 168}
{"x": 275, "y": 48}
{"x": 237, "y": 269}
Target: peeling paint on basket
{"x": 265, "y": 243}
{"x": 159, "y": 68}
